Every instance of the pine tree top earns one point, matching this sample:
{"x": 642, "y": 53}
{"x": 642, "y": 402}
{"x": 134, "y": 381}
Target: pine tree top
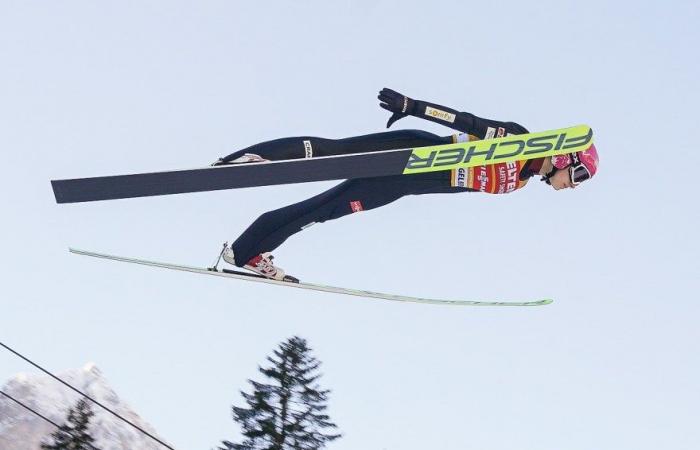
{"x": 287, "y": 410}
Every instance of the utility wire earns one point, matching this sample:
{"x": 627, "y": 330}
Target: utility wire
{"x": 87, "y": 396}
{"x": 30, "y": 409}
{"x": 37, "y": 414}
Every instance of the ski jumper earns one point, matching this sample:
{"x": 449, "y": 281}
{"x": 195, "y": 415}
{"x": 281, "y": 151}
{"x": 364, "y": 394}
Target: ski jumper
{"x": 271, "y": 229}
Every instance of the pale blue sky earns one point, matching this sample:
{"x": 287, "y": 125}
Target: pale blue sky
{"x": 94, "y": 88}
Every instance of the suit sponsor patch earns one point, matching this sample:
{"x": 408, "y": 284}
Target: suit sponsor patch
{"x": 439, "y": 114}
{"x": 501, "y": 178}
{"x": 356, "y": 206}
{"x": 483, "y": 178}
{"x": 460, "y": 178}
{"x": 308, "y": 150}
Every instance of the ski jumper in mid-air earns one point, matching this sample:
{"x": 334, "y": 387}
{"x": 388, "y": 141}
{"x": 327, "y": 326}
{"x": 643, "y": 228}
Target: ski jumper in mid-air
{"x": 252, "y": 249}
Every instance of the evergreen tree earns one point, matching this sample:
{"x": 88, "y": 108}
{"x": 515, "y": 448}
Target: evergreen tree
{"x": 289, "y": 412}
{"x": 73, "y": 435}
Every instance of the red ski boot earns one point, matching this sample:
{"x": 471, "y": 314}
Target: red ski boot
{"x": 261, "y": 264}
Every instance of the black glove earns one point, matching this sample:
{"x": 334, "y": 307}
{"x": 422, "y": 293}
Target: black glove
{"x": 396, "y": 103}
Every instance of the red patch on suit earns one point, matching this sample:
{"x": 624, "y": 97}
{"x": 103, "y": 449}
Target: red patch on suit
{"x": 356, "y": 206}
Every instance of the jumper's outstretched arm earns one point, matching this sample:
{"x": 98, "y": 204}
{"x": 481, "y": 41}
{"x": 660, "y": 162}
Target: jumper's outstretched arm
{"x": 402, "y": 106}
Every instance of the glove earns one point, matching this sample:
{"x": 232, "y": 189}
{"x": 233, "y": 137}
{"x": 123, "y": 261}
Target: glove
{"x": 396, "y": 103}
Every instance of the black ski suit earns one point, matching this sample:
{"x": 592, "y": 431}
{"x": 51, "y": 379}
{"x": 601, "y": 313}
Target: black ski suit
{"x": 271, "y": 229}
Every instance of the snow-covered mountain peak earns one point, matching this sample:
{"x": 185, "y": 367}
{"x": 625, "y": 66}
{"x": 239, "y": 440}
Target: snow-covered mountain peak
{"x": 92, "y": 367}
{"x": 22, "y": 430}
{"x": 21, "y": 377}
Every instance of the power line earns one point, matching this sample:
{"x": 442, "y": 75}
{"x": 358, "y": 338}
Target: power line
{"x": 86, "y": 396}
{"x": 40, "y": 415}
{"x": 30, "y": 409}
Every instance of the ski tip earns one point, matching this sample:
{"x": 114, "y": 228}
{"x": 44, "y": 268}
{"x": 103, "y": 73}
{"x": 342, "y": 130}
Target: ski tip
{"x": 546, "y": 301}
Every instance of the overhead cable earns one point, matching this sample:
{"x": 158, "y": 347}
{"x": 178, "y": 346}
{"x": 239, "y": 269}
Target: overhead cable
{"x": 87, "y": 397}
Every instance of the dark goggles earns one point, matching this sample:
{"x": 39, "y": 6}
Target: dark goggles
{"x": 578, "y": 172}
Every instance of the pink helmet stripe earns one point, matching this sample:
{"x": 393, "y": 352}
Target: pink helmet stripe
{"x": 589, "y": 158}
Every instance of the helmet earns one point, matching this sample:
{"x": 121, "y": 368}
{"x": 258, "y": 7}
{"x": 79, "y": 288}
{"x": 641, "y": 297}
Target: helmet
{"x": 582, "y": 165}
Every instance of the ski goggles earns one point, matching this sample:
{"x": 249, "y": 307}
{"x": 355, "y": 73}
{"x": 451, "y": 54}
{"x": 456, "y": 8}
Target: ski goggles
{"x": 578, "y": 171}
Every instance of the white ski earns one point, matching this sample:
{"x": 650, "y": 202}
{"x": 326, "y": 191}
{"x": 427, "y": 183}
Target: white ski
{"x": 315, "y": 287}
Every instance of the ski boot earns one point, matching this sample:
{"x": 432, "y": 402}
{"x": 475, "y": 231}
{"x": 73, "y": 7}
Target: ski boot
{"x": 245, "y": 159}
{"x": 261, "y": 265}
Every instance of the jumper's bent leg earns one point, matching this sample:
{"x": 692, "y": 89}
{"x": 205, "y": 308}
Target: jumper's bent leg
{"x": 271, "y": 229}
